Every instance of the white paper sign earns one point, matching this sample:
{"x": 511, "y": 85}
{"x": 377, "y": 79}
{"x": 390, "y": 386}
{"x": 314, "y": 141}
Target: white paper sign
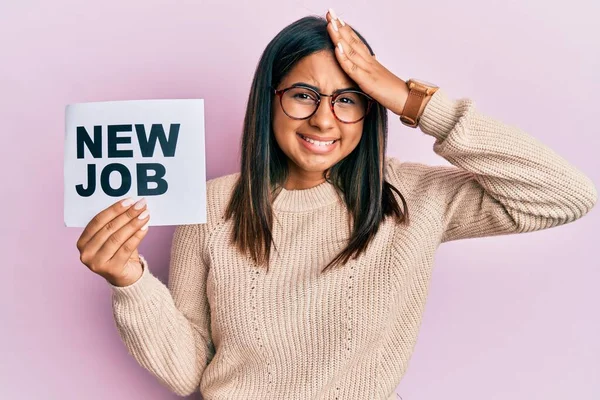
{"x": 146, "y": 148}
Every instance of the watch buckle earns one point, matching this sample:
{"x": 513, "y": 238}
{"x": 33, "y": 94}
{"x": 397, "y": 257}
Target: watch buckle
{"x": 409, "y": 121}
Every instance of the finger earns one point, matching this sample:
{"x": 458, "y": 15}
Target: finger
{"x": 352, "y": 38}
{"x": 352, "y": 63}
{"x": 348, "y": 34}
{"x": 328, "y": 16}
{"x": 350, "y": 50}
{"x": 115, "y": 242}
{"x": 112, "y": 227}
{"x": 101, "y": 219}
{"x": 124, "y": 252}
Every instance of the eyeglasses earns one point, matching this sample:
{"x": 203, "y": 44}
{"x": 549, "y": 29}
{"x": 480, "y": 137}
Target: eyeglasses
{"x": 301, "y": 102}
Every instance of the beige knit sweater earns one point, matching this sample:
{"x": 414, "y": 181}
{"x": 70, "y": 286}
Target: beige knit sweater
{"x": 232, "y": 331}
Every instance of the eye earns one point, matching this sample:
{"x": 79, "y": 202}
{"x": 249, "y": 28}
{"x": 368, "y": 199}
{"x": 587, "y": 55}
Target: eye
{"x": 351, "y": 99}
{"x": 345, "y": 100}
{"x": 303, "y": 96}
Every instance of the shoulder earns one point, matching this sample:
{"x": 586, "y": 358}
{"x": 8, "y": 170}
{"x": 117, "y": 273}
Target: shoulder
{"x": 221, "y": 186}
{"x": 418, "y": 179}
{"x": 218, "y": 193}
{"x": 404, "y": 173}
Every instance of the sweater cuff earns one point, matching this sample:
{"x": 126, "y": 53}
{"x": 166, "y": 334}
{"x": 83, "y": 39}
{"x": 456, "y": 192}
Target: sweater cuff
{"x": 141, "y": 290}
{"x": 441, "y": 115}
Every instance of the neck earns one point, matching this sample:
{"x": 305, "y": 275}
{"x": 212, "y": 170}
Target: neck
{"x": 304, "y": 180}
{"x": 307, "y": 199}
{"x": 299, "y": 184}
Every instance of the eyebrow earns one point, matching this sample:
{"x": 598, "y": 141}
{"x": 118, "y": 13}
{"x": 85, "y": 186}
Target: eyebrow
{"x": 317, "y": 89}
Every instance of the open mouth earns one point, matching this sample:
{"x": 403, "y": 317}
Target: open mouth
{"x": 317, "y": 142}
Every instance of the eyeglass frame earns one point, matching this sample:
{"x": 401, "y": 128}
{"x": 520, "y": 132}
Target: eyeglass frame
{"x": 333, "y": 96}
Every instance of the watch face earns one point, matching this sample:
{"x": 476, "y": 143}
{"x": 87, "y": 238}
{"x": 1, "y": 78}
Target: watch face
{"x": 424, "y": 83}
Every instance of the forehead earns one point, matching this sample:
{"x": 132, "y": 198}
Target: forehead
{"x": 319, "y": 69}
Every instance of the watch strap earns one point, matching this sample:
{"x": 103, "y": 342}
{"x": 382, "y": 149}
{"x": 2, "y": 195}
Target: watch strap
{"x": 410, "y": 113}
{"x": 417, "y": 92}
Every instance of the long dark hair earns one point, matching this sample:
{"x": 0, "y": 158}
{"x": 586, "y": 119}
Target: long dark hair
{"x": 264, "y": 169}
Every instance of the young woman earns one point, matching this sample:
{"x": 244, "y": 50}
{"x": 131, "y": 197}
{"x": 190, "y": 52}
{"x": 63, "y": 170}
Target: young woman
{"x": 309, "y": 279}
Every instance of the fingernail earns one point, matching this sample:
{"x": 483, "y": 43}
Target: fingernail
{"x": 335, "y": 27}
{"x": 145, "y": 226}
{"x": 340, "y": 47}
{"x": 332, "y": 13}
{"x": 342, "y": 22}
{"x": 127, "y": 202}
{"x": 140, "y": 203}
{"x": 143, "y": 215}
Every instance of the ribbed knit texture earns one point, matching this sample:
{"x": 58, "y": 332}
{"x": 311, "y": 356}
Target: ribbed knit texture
{"x": 232, "y": 331}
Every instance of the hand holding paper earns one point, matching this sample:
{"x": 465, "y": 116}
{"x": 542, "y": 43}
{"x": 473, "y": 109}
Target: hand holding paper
{"x": 109, "y": 242}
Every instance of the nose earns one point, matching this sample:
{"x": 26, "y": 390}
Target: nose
{"x": 323, "y": 118}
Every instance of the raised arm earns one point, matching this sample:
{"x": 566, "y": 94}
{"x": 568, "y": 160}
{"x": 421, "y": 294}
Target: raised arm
{"x": 503, "y": 180}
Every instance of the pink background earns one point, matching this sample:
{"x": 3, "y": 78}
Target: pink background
{"x": 511, "y": 317}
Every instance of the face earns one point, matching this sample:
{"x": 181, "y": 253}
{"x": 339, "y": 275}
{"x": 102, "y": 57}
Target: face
{"x": 306, "y": 160}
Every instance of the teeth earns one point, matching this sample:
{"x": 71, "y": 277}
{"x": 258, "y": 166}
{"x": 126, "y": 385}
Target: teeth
{"x": 317, "y": 142}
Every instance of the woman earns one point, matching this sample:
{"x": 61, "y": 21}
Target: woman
{"x": 309, "y": 279}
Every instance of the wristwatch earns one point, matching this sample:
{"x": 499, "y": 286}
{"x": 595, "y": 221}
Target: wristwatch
{"x": 418, "y": 91}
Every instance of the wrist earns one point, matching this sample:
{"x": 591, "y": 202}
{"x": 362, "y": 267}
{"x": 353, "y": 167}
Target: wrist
{"x": 422, "y": 92}
{"x": 402, "y": 97}
{"x": 132, "y": 272}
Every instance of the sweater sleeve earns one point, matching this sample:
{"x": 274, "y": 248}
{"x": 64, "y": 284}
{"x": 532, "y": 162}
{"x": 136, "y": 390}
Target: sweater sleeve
{"x": 502, "y": 180}
{"x": 167, "y": 328}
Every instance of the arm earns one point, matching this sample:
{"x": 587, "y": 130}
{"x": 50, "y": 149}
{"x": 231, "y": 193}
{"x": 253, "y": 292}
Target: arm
{"x": 503, "y": 180}
{"x": 167, "y": 329}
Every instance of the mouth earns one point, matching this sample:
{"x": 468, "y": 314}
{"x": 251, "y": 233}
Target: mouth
{"x": 316, "y": 142}
{"x": 318, "y": 146}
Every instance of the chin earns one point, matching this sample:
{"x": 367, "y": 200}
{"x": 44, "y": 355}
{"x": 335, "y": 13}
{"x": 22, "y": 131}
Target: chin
{"x": 315, "y": 164}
